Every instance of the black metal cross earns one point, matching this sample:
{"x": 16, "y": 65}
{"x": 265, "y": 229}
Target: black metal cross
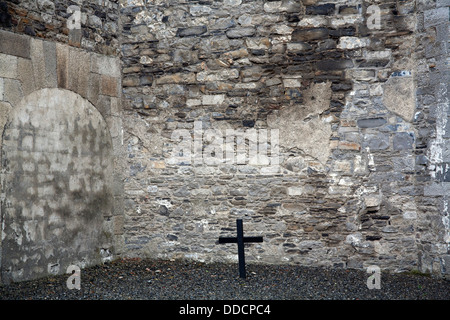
{"x": 240, "y": 239}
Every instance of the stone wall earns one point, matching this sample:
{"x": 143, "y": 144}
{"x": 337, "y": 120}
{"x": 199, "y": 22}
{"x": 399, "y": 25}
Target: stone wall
{"x": 346, "y": 95}
{"x": 433, "y": 96}
{"x": 91, "y": 25}
{"x": 60, "y": 118}
{"x": 145, "y": 128}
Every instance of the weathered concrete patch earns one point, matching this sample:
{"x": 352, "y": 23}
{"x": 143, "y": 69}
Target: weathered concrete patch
{"x": 310, "y": 135}
{"x": 399, "y": 96}
{"x": 57, "y": 176}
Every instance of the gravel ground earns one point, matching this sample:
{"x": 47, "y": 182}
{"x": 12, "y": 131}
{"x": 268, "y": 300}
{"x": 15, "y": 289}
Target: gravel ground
{"x": 170, "y": 280}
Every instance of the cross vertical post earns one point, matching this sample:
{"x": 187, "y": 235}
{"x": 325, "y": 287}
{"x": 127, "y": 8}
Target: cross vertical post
{"x": 240, "y": 243}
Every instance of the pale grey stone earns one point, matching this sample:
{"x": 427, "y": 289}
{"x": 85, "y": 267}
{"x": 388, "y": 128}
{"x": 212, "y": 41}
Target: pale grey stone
{"x": 435, "y": 17}
{"x": 240, "y": 32}
{"x": 8, "y": 66}
{"x": 399, "y": 96}
{"x": 371, "y": 123}
{"x": 12, "y": 91}
{"x": 95, "y": 21}
{"x": 2, "y": 89}
{"x": 403, "y": 140}
{"x": 378, "y": 141}
{"x": 105, "y": 65}
{"x": 192, "y": 31}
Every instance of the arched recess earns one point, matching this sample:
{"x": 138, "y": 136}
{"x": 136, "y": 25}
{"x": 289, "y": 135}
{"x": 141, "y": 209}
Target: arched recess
{"x": 57, "y": 173}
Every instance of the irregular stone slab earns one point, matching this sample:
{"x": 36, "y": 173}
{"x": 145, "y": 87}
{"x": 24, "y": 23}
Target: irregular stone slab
{"x": 191, "y": 31}
{"x": 403, "y": 140}
{"x": 399, "y": 96}
{"x": 371, "y": 123}
{"x": 240, "y": 32}
{"x": 309, "y": 34}
{"x": 330, "y": 64}
{"x": 323, "y": 9}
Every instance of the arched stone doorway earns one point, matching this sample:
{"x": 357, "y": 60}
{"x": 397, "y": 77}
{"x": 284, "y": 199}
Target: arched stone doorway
{"x": 57, "y": 165}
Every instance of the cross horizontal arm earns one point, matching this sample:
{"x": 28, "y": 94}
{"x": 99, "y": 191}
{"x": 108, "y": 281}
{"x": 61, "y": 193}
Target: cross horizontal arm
{"x": 253, "y": 239}
{"x": 228, "y": 240}
{"x": 234, "y": 239}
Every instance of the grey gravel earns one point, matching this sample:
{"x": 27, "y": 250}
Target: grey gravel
{"x": 181, "y": 280}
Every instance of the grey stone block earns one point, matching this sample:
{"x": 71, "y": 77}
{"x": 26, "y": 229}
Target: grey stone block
{"x": 50, "y": 76}
{"x": 38, "y": 60}
{"x": 309, "y": 34}
{"x": 330, "y": 64}
{"x": 4, "y": 111}
{"x": 442, "y": 3}
{"x": 25, "y": 75}
{"x": 437, "y": 189}
{"x": 403, "y": 141}
{"x": 323, "y": 9}
{"x": 377, "y": 141}
{"x": 446, "y": 263}
{"x": 435, "y": 17}
{"x": 105, "y": 65}
{"x": 443, "y": 172}
{"x": 78, "y": 66}
{"x": 75, "y": 36}
{"x": 403, "y": 163}
{"x": 191, "y": 31}
{"x": 371, "y": 123}
{"x": 240, "y": 32}
{"x": 62, "y": 57}
{"x": 14, "y": 44}
{"x": 12, "y": 91}
{"x": 447, "y": 128}
{"x": 94, "y": 88}
{"x": 421, "y": 160}
{"x": 8, "y": 66}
